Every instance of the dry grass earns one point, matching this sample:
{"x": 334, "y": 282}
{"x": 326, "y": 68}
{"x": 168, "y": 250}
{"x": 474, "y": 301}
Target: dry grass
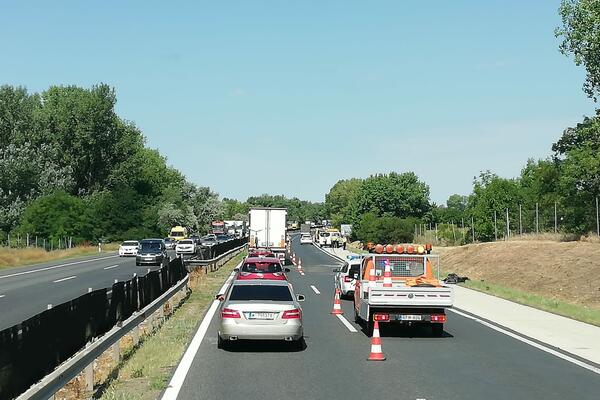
{"x": 147, "y": 372}
{"x": 10, "y": 257}
{"x": 562, "y": 277}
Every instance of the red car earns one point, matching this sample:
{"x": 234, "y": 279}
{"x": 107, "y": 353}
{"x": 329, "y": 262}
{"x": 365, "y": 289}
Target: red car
{"x": 262, "y": 268}
{"x": 260, "y": 253}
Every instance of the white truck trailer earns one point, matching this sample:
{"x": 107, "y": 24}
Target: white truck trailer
{"x": 267, "y": 229}
{"x": 410, "y": 292}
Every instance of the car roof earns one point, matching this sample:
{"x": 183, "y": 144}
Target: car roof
{"x": 262, "y": 259}
{"x": 267, "y": 282}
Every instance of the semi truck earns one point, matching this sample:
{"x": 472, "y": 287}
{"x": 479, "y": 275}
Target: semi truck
{"x": 267, "y": 229}
{"x": 397, "y": 284}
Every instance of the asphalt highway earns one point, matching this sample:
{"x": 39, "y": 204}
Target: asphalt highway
{"x": 470, "y": 361}
{"x": 27, "y": 291}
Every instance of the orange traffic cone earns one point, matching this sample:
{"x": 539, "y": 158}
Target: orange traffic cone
{"x": 376, "y": 352}
{"x": 387, "y": 275}
{"x": 299, "y": 264}
{"x": 337, "y": 304}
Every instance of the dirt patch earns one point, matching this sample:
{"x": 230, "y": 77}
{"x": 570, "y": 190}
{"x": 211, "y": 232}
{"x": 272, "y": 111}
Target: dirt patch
{"x": 568, "y": 271}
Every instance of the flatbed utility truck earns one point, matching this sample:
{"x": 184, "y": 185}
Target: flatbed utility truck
{"x": 396, "y": 284}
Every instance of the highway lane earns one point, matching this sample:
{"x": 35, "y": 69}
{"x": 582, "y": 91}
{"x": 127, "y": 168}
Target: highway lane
{"x": 471, "y": 361}
{"x": 27, "y": 291}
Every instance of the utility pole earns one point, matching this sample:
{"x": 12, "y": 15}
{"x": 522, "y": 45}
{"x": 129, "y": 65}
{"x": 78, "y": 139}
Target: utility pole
{"x": 495, "y": 226}
{"x": 453, "y": 232}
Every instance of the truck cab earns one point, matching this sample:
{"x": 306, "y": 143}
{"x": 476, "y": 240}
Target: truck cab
{"x": 407, "y": 293}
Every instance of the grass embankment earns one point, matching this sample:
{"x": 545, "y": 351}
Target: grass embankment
{"x": 11, "y": 257}
{"x": 147, "y": 371}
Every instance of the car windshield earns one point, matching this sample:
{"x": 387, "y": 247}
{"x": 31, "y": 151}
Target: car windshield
{"x": 268, "y": 267}
{"x": 177, "y": 233}
{"x": 129, "y": 243}
{"x": 150, "y": 247}
{"x": 324, "y": 234}
{"x": 260, "y": 292}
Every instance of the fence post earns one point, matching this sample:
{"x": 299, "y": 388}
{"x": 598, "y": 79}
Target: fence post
{"x": 473, "y": 229}
{"x": 453, "y": 233}
{"x": 537, "y": 218}
{"x": 520, "y": 221}
{"x": 436, "y": 233}
{"x": 507, "y": 226}
{"x": 597, "y": 220}
{"x": 555, "y": 218}
{"x": 495, "y": 226}
{"x": 28, "y": 240}
{"x": 89, "y": 377}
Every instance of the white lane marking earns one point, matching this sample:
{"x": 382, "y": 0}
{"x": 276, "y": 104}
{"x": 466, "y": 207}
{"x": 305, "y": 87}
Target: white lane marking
{"x": 111, "y": 267}
{"x": 530, "y": 342}
{"x": 302, "y": 273}
{"x": 346, "y": 323}
{"x": 65, "y": 279}
{"x": 2, "y": 295}
{"x": 54, "y": 267}
{"x": 315, "y": 289}
{"x": 172, "y": 391}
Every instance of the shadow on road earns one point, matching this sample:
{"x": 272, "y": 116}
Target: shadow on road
{"x": 265, "y": 346}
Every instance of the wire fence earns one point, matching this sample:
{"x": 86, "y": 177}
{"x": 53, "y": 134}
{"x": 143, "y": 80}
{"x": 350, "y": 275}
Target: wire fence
{"x": 34, "y": 241}
{"x": 513, "y": 222}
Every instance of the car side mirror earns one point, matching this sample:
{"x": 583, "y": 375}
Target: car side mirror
{"x": 287, "y": 270}
{"x": 336, "y": 270}
{"x": 236, "y": 269}
{"x": 300, "y": 297}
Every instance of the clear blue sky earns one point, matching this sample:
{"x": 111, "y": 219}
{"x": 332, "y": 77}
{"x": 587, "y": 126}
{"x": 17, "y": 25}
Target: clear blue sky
{"x": 287, "y": 97}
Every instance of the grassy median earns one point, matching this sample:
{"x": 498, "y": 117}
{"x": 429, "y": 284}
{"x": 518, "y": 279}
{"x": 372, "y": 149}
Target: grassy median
{"x": 148, "y": 369}
{"x": 17, "y": 257}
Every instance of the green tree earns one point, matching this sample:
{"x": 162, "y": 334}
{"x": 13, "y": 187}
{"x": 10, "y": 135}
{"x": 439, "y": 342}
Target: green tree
{"x": 580, "y": 33}
{"x": 340, "y": 202}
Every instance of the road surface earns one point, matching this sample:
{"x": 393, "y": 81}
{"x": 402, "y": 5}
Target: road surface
{"x": 470, "y": 361}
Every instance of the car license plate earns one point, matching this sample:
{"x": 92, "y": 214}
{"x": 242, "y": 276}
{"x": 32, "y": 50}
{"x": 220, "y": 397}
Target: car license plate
{"x": 410, "y": 317}
{"x": 260, "y": 315}
{"x": 148, "y": 258}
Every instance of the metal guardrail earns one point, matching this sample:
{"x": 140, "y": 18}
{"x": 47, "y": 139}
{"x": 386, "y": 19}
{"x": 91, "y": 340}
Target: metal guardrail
{"x": 63, "y": 374}
{"x": 213, "y": 264}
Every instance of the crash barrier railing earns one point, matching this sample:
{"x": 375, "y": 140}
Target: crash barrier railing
{"x": 66, "y": 336}
{"x": 214, "y": 264}
{"x": 216, "y": 250}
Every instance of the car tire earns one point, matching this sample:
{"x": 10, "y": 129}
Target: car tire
{"x": 437, "y": 330}
{"x": 221, "y": 344}
{"x": 298, "y": 345}
{"x": 137, "y": 264}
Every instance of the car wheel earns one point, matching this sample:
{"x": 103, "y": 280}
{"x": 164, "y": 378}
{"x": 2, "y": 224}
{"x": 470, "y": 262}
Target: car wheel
{"x": 437, "y": 330}
{"x": 299, "y": 344}
{"x": 221, "y": 344}
{"x": 137, "y": 264}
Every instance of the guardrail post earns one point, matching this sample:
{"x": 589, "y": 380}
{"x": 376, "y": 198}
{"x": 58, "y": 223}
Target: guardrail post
{"x": 116, "y": 353}
{"x": 135, "y": 335}
{"x": 89, "y": 378}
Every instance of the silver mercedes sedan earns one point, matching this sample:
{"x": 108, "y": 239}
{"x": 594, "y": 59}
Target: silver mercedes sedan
{"x": 261, "y": 309}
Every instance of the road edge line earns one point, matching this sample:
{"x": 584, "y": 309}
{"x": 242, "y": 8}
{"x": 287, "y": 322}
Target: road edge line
{"x": 347, "y": 323}
{"x": 330, "y": 254}
{"x": 529, "y": 341}
{"x": 176, "y": 382}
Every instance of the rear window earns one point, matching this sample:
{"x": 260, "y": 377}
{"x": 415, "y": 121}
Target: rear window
{"x": 262, "y": 267}
{"x": 260, "y": 292}
{"x": 354, "y": 269}
{"x": 186, "y": 242}
{"x": 306, "y": 236}
{"x": 129, "y": 243}
{"x": 324, "y": 234}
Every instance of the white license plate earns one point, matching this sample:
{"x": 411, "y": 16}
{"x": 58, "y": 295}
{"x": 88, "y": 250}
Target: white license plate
{"x": 260, "y": 315}
{"x": 148, "y": 259}
{"x": 410, "y": 318}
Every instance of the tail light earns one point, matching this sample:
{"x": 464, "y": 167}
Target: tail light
{"x": 292, "y": 314}
{"x": 439, "y": 318}
{"x": 347, "y": 279}
{"x": 381, "y": 317}
{"x": 229, "y": 313}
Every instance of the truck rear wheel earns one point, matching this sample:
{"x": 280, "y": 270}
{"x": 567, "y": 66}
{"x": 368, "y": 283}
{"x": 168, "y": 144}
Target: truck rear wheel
{"x": 437, "y": 330}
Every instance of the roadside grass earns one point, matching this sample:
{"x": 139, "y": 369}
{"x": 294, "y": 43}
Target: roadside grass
{"x": 147, "y": 370}
{"x": 11, "y": 257}
{"x": 577, "y": 312}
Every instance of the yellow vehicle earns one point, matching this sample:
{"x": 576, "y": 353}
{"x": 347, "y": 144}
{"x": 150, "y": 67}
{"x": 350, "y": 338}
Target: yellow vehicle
{"x": 179, "y": 233}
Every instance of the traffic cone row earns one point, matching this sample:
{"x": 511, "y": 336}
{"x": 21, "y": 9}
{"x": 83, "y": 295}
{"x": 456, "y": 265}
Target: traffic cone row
{"x": 299, "y": 265}
{"x": 337, "y": 304}
{"x": 376, "y": 352}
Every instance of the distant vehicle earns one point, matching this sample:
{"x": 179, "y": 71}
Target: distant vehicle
{"x": 262, "y": 268}
{"x": 223, "y": 237}
{"x": 324, "y": 239}
{"x": 345, "y": 277}
{"x": 305, "y": 238}
{"x": 128, "y": 248}
{"x": 195, "y": 238}
{"x": 185, "y": 246}
{"x": 305, "y": 228}
{"x": 267, "y": 229}
{"x": 218, "y": 227}
{"x": 261, "y": 253}
{"x": 346, "y": 230}
{"x": 178, "y": 233}
{"x": 260, "y": 310}
{"x": 208, "y": 240}
{"x": 151, "y": 252}
{"x": 170, "y": 243}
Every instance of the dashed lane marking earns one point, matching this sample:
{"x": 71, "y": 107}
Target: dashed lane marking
{"x": 54, "y": 267}
{"x": 2, "y": 295}
{"x": 315, "y": 289}
{"x": 111, "y": 267}
{"x": 346, "y": 323}
{"x": 302, "y": 273}
{"x": 65, "y": 279}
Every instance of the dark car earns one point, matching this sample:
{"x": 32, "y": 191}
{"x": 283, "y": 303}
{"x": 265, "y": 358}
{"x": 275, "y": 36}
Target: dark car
{"x": 170, "y": 243}
{"x": 151, "y": 252}
{"x": 208, "y": 240}
{"x": 223, "y": 237}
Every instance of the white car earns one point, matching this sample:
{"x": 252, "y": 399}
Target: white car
{"x": 129, "y": 248}
{"x": 305, "y": 238}
{"x": 185, "y": 246}
{"x": 324, "y": 239}
{"x": 345, "y": 277}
